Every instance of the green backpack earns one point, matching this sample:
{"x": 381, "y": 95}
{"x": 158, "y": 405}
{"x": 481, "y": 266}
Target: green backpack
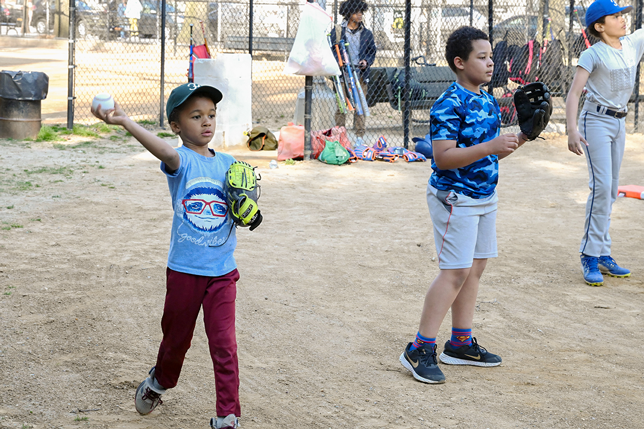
{"x": 261, "y": 139}
{"x": 334, "y": 153}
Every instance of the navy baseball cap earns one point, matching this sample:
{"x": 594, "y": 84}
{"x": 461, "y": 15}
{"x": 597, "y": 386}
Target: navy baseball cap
{"x": 180, "y": 94}
{"x": 602, "y": 8}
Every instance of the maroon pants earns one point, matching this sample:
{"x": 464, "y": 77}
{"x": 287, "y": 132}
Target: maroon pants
{"x": 185, "y": 295}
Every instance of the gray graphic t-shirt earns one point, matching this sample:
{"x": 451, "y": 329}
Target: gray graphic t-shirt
{"x": 612, "y": 71}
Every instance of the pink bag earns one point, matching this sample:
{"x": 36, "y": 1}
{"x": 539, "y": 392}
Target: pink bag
{"x": 291, "y": 142}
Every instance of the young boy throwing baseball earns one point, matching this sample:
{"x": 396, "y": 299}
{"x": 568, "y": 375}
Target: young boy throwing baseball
{"x": 462, "y": 200}
{"x": 201, "y": 267}
{"x": 607, "y": 70}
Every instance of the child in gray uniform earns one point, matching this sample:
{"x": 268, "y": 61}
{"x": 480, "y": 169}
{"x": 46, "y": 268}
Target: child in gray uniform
{"x": 607, "y": 70}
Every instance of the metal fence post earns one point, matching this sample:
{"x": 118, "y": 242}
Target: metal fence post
{"x": 250, "y": 29}
{"x": 569, "y": 74}
{"x": 162, "y": 95}
{"x": 308, "y": 101}
{"x": 490, "y": 21}
{"x": 638, "y": 24}
{"x": 407, "y": 56}
{"x": 471, "y": 12}
{"x": 70, "y": 64}
{"x": 335, "y": 11}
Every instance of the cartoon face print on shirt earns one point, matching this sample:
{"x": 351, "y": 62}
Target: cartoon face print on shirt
{"x": 203, "y": 206}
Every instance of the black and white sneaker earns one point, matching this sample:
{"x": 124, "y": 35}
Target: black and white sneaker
{"x": 469, "y": 355}
{"x": 423, "y": 364}
{"x": 147, "y": 397}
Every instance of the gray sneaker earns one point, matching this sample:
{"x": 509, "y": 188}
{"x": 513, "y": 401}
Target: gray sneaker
{"x": 147, "y": 396}
{"x": 230, "y": 421}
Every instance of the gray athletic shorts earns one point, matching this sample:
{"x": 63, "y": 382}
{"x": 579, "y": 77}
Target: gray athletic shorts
{"x": 464, "y": 227}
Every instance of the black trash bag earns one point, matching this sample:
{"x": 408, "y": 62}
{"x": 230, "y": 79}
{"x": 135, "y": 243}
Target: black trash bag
{"x": 23, "y": 85}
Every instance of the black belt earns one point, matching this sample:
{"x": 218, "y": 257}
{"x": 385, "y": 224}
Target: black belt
{"x": 613, "y": 113}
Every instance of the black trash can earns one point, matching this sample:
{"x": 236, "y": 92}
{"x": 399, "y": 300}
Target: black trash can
{"x": 20, "y": 97}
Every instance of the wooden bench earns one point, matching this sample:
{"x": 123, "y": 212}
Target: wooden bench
{"x": 263, "y": 43}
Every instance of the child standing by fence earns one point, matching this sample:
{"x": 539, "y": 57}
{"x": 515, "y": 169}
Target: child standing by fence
{"x": 607, "y": 70}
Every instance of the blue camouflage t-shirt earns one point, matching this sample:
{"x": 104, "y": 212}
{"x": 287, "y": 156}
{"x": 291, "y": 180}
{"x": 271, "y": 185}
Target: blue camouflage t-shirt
{"x": 469, "y": 118}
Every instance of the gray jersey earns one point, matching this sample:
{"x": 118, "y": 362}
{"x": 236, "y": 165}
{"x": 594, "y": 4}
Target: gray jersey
{"x": 612, "y": 71}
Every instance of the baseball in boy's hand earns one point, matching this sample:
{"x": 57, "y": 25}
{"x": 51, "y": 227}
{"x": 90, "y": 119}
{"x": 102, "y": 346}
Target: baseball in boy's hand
{"x": 105, "y": 100}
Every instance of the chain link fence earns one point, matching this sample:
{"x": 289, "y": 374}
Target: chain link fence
{"x": 139, "y": 61}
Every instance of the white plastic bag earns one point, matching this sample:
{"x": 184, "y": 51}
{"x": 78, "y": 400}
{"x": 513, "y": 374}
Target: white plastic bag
{"x": 311, "y": 54}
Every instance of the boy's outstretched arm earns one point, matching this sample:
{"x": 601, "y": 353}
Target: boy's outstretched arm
{"x": 575, "y": 139}
{"x": 448, "y": 157}
{"x": 155, "y": 145}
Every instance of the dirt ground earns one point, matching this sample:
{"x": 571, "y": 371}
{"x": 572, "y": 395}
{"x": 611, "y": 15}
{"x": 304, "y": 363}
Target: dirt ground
{"x": 331, "y": 289}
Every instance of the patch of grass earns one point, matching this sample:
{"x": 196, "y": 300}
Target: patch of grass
{"x": 164, "y": 135}
{"x": 116, "y": 138}
{"x": 47, "y": 134}
{"x": 81, "y": 419}
{"x": 100, "y": 167}
{"x": 16, "y": 225}
{"x": 60, "y": 146}
{"x": 5, "y": 228}
{"x": 36, "y": 220}
{"x": 23, "y": 186}
{"x": 55, "y": 196}
{"x": 102, "y": 127}
{"x": 289, "y": 162}
{"x": 66, "y": 171}
{"x": 82, "y": 145}
{"x": 146, "y": 122}
{"x": 128, "y": 134}
{"x": 84, "y": 131}
{"x": 10, "y": 207}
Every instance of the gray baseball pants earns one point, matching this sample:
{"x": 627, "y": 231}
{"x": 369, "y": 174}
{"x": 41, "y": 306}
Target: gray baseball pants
{"x": 606, "y": 137}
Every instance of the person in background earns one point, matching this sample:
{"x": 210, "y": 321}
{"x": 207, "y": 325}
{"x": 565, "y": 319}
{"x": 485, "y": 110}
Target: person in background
{"x": 362, "y": 50}
{"x": 133, "y": 14}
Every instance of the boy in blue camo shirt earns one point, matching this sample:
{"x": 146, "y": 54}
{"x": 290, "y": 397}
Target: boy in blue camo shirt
{"x": 462, "y": 200}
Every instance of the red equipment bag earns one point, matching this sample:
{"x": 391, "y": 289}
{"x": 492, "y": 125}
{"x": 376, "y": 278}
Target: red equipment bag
{"x": 319, "y": 138}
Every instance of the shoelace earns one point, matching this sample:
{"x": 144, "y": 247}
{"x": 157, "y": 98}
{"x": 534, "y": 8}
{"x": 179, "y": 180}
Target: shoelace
{"x": 479, "y": 349}
{"x": 426, "y": 357}
{"x": 608, "y": 261}
{"x": 591, "y": 263}
{"x": 152, "y": 396}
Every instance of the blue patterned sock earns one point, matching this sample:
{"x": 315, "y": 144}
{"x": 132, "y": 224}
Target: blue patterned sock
{"x": 420, "y": 340}
{"x": 461, "y": 337}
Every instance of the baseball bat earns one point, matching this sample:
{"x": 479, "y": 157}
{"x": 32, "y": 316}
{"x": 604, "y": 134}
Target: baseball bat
{"x": 337, "y": 85}
{"x": 205, "y": 40}
{"x": 352, "y": 82}
{"x": 582, "y": 29}
{"x": 363, "y": 99}
{"x": 349, "y": 96}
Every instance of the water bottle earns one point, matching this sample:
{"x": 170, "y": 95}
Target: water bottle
{"x": 273, "y": 164}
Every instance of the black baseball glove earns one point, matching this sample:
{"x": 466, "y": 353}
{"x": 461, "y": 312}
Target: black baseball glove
{"x": 534, "y": 107}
